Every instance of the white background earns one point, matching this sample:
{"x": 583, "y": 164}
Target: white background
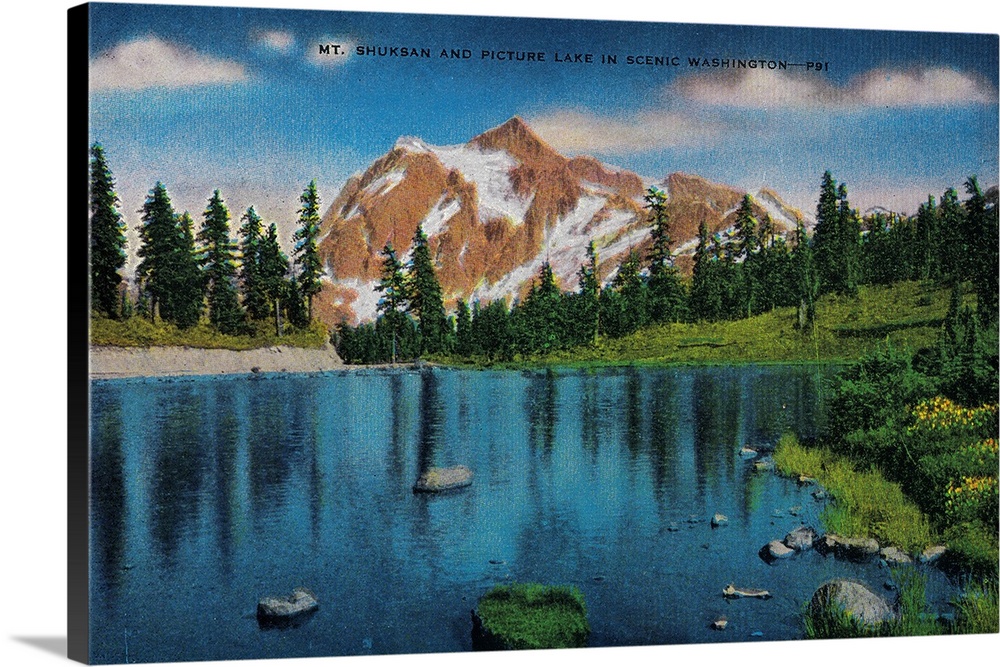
{"x": 33, "y": 365}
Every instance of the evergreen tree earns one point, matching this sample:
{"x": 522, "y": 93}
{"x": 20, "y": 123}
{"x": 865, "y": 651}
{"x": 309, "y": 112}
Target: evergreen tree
{"x": 538, "y": 323}
{"x": 426, "y": 302}
{"x": 589, "y": 301}
{"x": 928, "y": 239}
{"x": 826, "y": 239}
{"x": 463, "y": 317}
{"x": 983, "y": 241}
{"x": 952, "y": 224}
{"x": 219, "y": 264}
{"x": 807, "y": 279}
{"x": 168, "y": 271}
{"x": 255, "y": 297}
{"x": 491, "y": 331}
{"x": 849, "y": 244}
{"x": 395, "y": 295}
{"x": 706, "y": 301}
{"x": 186, "y": 297}
{"x": 747, "y": 244}
{"x": 667, "y": 300}
{"x": 107, "y": 237}
{"x": 272, "y": 272}
{"x": 306, "y": 250}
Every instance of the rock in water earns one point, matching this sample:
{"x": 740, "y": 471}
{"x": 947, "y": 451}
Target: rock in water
{"x": 748, "y": 452}
{"x": 895, "y": 556}
{"x": 856, "y": 549}
{"x": 283, "y": 611}
{"x": 775, "y": 550}
{"x": 720, "y": 623}
{"x": 733, "y": 592}
{"x": 853, "y": 599}
{"x": 443, "y": 479}
{"x": 801, "y": 538}
{"x": 719, "y": 520}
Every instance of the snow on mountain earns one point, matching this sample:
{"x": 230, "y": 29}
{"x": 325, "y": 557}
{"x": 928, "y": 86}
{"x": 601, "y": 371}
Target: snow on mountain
{"x": 498, "y": 207}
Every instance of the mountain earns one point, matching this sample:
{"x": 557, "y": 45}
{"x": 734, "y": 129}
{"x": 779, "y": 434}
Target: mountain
{"x": 499, "y": 206}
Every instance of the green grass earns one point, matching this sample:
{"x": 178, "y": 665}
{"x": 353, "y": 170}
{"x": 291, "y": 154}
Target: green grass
{"x": 865, "y": 504}
{"x": 976, "y": 610}
{"x": 140, "y": 332}
{"x": 908, "y": 314}
{"x": 535, "y": 616}
{"x": 912, "y": 620}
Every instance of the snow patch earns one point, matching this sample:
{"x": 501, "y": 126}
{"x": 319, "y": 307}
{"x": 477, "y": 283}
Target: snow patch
{"x": 386, "y": 182}
{"x": 435, "y": 221}
{"x": 365, "y": 306}
{"x": 489, "y": 170}
{"x": 412, "y": 145}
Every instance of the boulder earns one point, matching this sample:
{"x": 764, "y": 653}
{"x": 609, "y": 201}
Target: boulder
{"x": 748, "y": 452}
{"x": 800, "y": 539}
{"x": 894, "y": 556}
{"x": 931, "y": 554}
{"x": 763, "y": 464}
{"x": 856, "y": 549}
{"x": 852, "y": 598}
{"x": 775, "y": 550}
{"x": 719, "y": 520}
{"x": 806, "y": 480}
{"x": 435, "y": 480}
{"x": 720, "y": 623}
{"x": 282, "y": 611}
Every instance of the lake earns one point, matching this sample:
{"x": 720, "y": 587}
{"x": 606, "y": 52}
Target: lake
{"x": 209, "y": 493}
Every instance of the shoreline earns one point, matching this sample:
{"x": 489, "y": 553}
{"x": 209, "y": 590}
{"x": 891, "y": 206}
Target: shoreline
{"x": 109, "y": 362}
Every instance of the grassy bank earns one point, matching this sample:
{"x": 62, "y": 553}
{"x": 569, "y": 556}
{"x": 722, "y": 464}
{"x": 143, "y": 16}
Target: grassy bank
{"x": 865, "y": 504}
{"x": 907, "y": 314}
{"x": 140, "y": 332}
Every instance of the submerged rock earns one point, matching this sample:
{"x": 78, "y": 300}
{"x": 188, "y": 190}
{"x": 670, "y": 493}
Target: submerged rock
{"x": 851, "y": 598}
{"x": 443, "y": 479}
{"x": 283, "y": 611}
{"x": 719, "y": 520}
{"x": 763, "y": 464}
{"x": 748, "y": 452}
{"x": 732, "y": 592}
{"x": 720, "y": 623}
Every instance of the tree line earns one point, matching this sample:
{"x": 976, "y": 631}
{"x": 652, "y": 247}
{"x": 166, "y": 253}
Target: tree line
{"x": 748, "y": 271}
{"x": 184, "y": 274}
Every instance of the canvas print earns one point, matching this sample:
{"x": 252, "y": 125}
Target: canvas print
{"x": 413, "y": 333}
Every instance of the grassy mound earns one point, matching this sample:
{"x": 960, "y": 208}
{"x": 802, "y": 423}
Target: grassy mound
{"x": 533, "y": 616}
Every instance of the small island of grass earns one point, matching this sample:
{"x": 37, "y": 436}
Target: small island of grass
{"x": 530, "y": 616}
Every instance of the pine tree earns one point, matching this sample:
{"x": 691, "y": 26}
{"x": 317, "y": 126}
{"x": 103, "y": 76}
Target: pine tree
{"x": 396, "y": 294}
{"x": 107, "y": 237}
{"x": 255, "y": 298}
{"x": 426, "y": 301}
{"x": 590, "y": 291}
{"x": 928, "y": 238}
{"x": 187, "y": 296}
{"x": 981, "y": 240}
{"x": 219, "y": 264}
{"x": 169, "y": 273}
{"x": 463, "y": 319}
{"x": 306, "y": 250}
{"x": 273, "y": 269}
{"x": 849, "y": 244}
{"x": 826, "y": 238}
{"x": 706, "y": 297}
{"x": 806, "y": 278}
{"x": 667, "y": 298}
{"x": 159, "y": 239}
{"x": 746, "y": 234}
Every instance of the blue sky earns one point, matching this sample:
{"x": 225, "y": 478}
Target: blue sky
{"x": 242, "y": 100}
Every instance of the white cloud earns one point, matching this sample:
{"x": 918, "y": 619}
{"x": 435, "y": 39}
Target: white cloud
{"x": 151, "y": 62}
{"x": 338, "y": 50}
{"x": 276, "y": 40}
{"x": 579, "y": 131}
{"x": 763, "y": 89}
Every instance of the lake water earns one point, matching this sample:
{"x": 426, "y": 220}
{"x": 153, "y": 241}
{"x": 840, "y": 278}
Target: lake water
{"x": 209, "y": 493}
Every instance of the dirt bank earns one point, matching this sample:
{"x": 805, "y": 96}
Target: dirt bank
{"x": 117, "y": 362}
